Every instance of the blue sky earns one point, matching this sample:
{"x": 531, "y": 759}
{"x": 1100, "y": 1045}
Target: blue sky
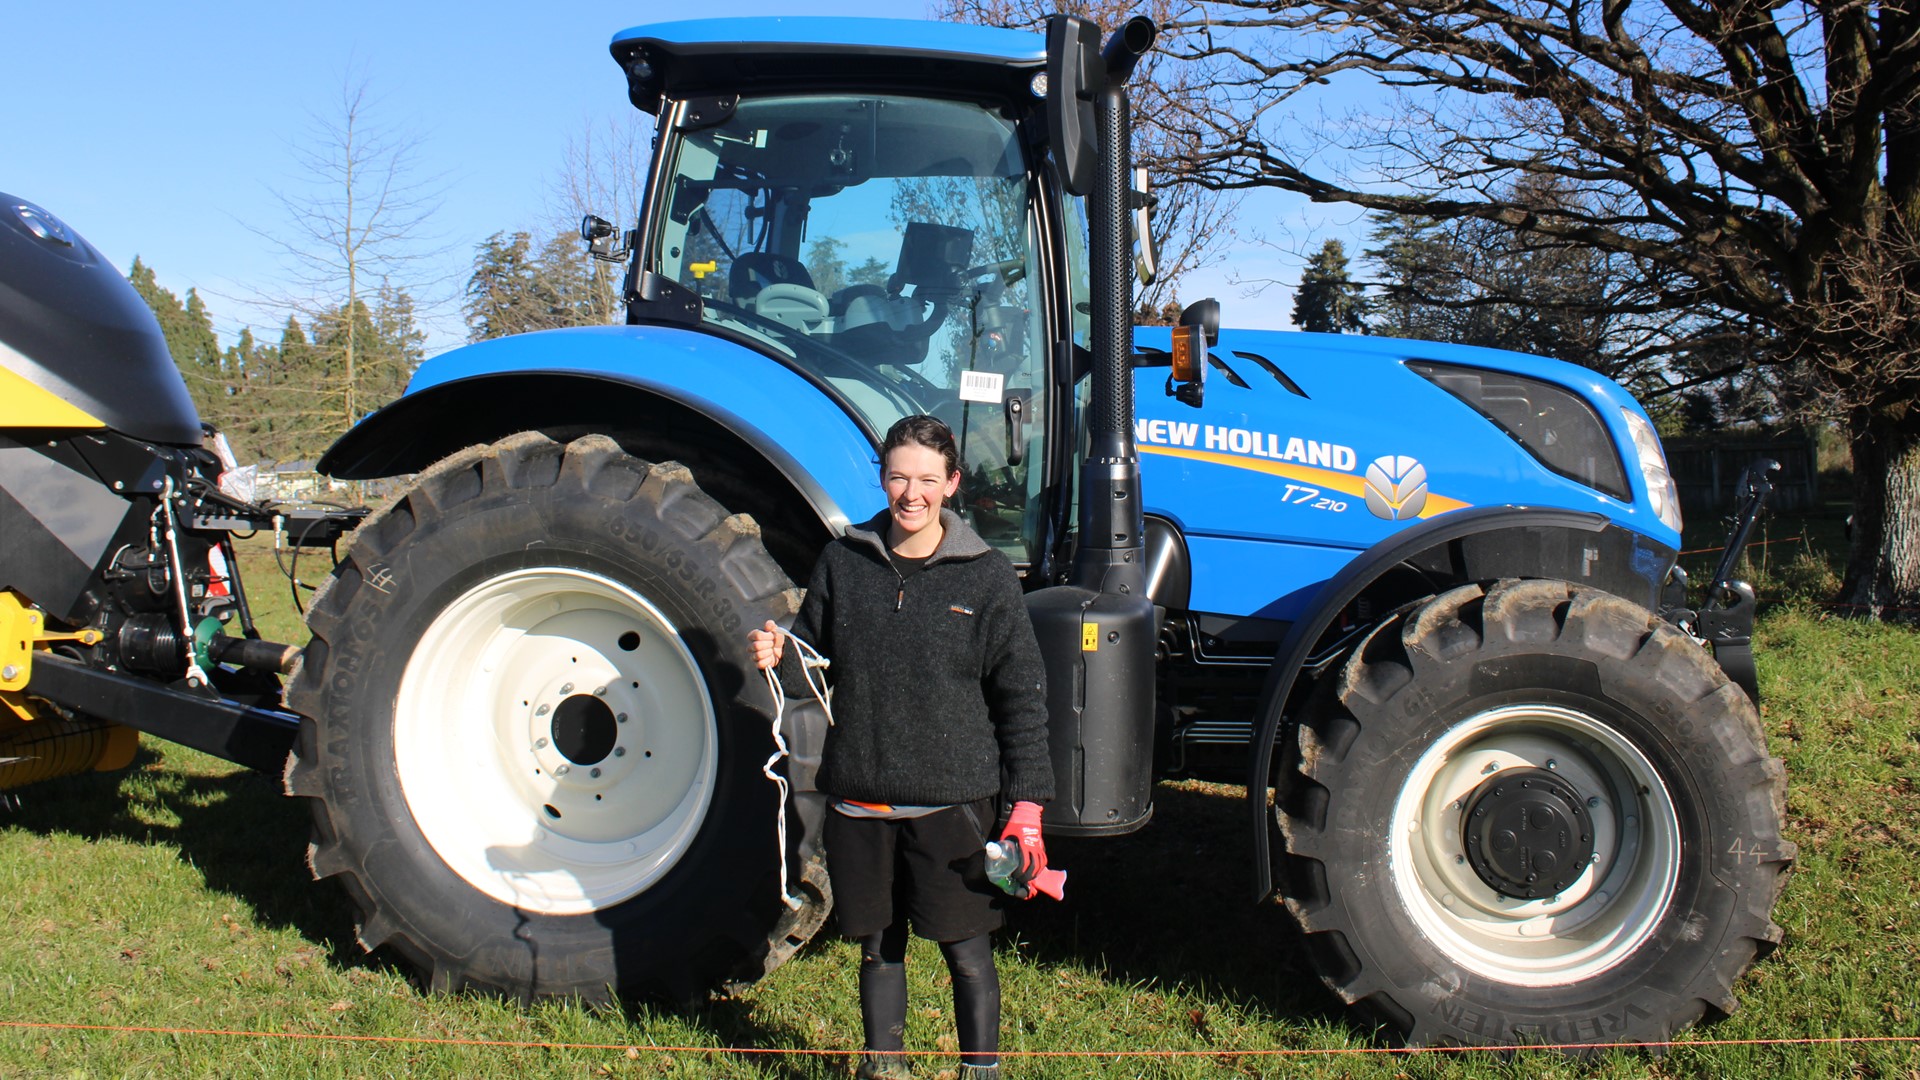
{"x": 160, "y": 130}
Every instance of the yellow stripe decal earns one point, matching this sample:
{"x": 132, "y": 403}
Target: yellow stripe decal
{"x": 24, "y": 405}
{"x": 1325, "y": 479}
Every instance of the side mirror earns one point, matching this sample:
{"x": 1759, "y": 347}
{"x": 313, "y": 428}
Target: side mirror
{"x": 1199, "y": 329}
{"x": 1146, "y": 258}
{"x": 1075, "y": 76}
{"x": 601, "y": 239}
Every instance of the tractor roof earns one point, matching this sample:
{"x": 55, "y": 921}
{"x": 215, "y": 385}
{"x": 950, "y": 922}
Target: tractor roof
{"x": 734, "y": 55}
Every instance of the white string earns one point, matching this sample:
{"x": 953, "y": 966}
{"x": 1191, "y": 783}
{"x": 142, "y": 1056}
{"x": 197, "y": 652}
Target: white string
{"x": 810, "y": 661}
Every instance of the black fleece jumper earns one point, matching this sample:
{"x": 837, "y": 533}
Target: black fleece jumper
{"x": 939, "y": 694}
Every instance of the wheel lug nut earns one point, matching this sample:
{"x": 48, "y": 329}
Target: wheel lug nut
{"x": 539, "y": 744}
{"x": 595, "y": 774}
{"x": 1593, "y": 801}
{"x": 566, "y": 688}
{"x": 541, "y": 711}
{"x": 619, "y": 751}
{"x": 1552, "y": 764}
{"x": 599, "y": 691}
{"x": 562, "y": 770}
{"x": 620, "y": 717}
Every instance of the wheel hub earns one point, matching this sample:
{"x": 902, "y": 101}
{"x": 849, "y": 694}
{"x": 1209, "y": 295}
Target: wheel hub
{"x": 584, "y": 729}
{"x": 1527, "y": 833}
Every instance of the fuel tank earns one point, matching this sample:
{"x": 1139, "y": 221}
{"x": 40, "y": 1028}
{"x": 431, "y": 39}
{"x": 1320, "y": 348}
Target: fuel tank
{"x": 78, "y": 347}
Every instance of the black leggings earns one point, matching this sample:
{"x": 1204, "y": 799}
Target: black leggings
{"x": 976, "y": 993}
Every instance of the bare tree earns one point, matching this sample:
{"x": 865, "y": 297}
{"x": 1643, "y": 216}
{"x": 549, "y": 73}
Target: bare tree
{"x": 1761, "y": 160}
{"x": 356, "y": 233}
{"x": 1481, "y": 282}
{"x": 603, "y": 172}
{"x": 1193, "y": 223}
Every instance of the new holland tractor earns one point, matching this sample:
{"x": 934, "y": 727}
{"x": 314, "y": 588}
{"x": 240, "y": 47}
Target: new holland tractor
{"x": 1421, "y": 598}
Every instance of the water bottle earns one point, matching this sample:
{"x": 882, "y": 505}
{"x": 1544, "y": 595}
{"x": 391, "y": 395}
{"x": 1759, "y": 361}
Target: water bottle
{"x": 1003, "y": 860}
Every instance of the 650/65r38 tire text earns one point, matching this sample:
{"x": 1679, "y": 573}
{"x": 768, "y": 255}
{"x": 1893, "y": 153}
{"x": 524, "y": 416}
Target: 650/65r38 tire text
{"x": 1532, "y": 813}
{"x": 533, "y": 730}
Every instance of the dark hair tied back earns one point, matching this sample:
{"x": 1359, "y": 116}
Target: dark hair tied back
{"x": 924, "y": 431}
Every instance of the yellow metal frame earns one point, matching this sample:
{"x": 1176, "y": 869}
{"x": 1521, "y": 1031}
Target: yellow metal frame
{"x": 22, "y": 630}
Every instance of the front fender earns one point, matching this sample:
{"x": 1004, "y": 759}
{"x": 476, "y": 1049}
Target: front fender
{"x": 607, "y": 378}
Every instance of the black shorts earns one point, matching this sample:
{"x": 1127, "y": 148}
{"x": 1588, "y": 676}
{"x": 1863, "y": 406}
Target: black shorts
{"x": 930, "y": 870}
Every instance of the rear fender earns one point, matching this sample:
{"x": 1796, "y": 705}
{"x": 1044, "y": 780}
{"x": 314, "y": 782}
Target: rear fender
{"x": 666, "y": 392}
{"x": 1477, "y": 544}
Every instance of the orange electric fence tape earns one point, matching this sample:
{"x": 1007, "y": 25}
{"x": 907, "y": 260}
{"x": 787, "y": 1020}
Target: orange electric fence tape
{"x": 1885, "y": 609}
{"x": 507, "y": 1044}
{"x": 1752, "y": 544}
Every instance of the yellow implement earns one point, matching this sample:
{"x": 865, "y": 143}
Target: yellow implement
{"x": 23, "y": 629}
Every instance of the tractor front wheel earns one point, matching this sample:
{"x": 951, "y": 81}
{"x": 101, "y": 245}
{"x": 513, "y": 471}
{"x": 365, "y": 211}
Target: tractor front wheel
{"x": 1532, "y": 813}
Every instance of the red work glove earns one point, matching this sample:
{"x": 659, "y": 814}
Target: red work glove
{"x": 1023, "y": 832}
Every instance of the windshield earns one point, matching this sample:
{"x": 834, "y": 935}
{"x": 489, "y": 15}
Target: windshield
{"x": 884, "y": 245}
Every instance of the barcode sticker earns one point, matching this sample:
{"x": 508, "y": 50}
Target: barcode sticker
{"x": 987, "y": 386}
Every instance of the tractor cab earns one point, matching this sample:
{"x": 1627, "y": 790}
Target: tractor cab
{"x": 888, "y": 235}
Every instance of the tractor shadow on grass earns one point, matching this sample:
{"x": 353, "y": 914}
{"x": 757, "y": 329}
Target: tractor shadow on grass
{"x": 244, "y": 837}
{"x": 1167, "y": 907}
{"x": 1171, "y": 906}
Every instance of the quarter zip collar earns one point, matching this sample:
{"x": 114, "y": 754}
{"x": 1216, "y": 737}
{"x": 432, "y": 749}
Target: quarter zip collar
{"x": 957, "y": 541}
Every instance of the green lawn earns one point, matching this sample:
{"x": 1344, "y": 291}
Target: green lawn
{"x": 175, "y": 895}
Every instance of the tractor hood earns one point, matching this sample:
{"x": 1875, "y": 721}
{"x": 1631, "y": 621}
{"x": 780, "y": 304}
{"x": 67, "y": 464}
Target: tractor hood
{"x": 1333, "y": 442}
{"x": 78, "y": 347}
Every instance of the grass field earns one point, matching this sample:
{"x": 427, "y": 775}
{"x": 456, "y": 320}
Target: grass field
{"x": 175, "y": 895}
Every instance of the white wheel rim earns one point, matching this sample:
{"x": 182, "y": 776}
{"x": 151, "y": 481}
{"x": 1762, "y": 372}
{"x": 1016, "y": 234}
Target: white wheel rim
{"x": 1598, "y": 920}
{"x": 554, "y": 740}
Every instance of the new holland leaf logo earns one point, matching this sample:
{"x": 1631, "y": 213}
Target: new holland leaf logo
{"x": 1396, "y": 487}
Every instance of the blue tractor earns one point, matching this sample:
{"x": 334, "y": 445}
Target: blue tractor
{"x": 1422, "y": 599}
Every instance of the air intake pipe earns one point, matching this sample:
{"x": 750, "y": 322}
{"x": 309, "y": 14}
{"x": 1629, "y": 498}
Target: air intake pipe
{"x": 1097, "y": 632}
{"x": 1111, "y": 526}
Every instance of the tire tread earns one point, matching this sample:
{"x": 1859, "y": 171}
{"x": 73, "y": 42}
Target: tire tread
{"x": 592, "y": 466}
{"x": 1317, "y": 770}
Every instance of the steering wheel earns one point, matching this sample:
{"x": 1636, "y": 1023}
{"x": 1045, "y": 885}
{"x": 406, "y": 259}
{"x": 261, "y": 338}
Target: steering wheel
{"x": 909, "y": 387}
{"x": 797, "y": 306}
{"x": 1008, "y": 271}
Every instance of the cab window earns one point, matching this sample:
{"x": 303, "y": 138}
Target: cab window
{"x": 886, "y": 244}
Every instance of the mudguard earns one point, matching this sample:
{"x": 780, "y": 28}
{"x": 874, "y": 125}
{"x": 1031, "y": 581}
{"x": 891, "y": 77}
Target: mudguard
{"x": 559, "y": 377}
{"x": 1486, "y": 542}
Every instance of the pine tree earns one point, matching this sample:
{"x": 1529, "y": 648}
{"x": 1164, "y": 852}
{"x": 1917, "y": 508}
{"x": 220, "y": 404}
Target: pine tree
{"x": 514, "y": 290}
{"x": 502, "y": 290}
{"x": 188, "y": 330}
{"x": 293, "y": 377}
{"x": 1328, "y": 301}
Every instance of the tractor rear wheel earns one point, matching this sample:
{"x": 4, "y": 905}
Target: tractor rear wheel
{"x": 533, "y": 731}
{"x": 1532, "y": 813}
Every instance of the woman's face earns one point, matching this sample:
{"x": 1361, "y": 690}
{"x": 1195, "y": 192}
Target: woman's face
{"x": 917, "y": 483}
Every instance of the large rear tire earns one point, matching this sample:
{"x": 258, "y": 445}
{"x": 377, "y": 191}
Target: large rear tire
{"x": 533, "y": 731}
{"x": 1532, "y": 814}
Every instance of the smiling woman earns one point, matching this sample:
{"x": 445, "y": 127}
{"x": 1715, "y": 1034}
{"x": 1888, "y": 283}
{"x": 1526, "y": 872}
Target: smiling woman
{"x": 940, "y": 727}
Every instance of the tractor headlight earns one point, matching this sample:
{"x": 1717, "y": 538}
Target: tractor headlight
{"x": 1661, "y": 491}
